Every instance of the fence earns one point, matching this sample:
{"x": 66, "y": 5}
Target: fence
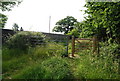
{"x": 95, "y": 44}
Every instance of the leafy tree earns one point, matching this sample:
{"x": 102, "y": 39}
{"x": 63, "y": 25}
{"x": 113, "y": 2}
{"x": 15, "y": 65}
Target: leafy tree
{"x": 15, "y": 27}
{"x": 103, "y": 20}
{"x": 76, "y": 30}
{"x": 6, "y": 5}
{"x": 65, "y": 25}
{"x": 3, "y": 19}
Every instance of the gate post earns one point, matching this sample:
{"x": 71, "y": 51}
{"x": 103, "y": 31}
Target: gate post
{"x": 67, "y": 46}
{"x": 73, "y": 45}
{"x": 95, "y": 45}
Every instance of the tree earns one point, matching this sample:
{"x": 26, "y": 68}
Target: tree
{"x": 76, "y": 30}
{"x": 15, "y": 27}
{"x": 103, "y": 20}
{"x": 65, "y": 25}
{"x": 6, "y": 5}
{"x": 21, "y": 29}
{"x": 3, "y": 19}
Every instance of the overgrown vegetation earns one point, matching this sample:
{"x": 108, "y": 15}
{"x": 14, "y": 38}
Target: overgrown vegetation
{"x": 102, "y": 20}
{"x": 23, "y": 40}
{"x": 41, "y": 63}
{"x": 47, "y": 61}
{"x": 15, "y": 60}
{"x": 92, "y": 67}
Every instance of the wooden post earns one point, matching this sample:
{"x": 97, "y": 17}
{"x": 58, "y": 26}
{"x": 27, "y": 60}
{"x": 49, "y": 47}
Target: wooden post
{"x": 95, "y": 45}
{"x": 73, "y": 45}
{"x": 67, "y": 47}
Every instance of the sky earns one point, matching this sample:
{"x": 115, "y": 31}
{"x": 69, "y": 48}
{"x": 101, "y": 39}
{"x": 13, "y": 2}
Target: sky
{"x": 33, "y": 15}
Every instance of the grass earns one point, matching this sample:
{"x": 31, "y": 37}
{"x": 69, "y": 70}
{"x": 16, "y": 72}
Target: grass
{"x": 53, "y": 68}
{"x": 14, "y": 62}
{"x": 93, "y": 67}
{"x": 42, "y": 63}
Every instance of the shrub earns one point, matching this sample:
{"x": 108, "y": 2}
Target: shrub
{"x": 22, "y": 40}
{"x": 94, "y": 67}
{"x": 111, "y": 48}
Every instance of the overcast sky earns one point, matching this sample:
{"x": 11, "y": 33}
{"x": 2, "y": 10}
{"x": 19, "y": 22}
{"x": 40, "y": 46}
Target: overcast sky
{"x": 33, "y": 15}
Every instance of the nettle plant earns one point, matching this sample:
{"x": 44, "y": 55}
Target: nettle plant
{"x": 22, "y": 40}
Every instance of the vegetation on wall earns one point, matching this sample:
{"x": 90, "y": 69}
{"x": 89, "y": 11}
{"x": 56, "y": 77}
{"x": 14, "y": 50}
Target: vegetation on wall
{"x": 22, "y": 40}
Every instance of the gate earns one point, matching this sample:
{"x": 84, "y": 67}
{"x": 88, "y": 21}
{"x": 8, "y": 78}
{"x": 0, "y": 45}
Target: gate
{"x": 91, "y": 43}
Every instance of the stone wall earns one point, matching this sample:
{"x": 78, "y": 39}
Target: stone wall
{"x": 7, "y": 32}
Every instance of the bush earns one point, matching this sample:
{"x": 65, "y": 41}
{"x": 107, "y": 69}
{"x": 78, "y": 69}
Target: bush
{"x": 112, "y": 48}
{"x": 53, "y": 68}
{"x": 97, "y": 67}
{"x": 22, "y": 40}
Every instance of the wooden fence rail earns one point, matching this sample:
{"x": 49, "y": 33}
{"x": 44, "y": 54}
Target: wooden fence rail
{"x": 95, "y": 44}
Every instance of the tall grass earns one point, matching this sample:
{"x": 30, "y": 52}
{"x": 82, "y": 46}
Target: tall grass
{"x": 16, "y": 59}
{"x": 102, "y": 66}
{"x": 53, "y": 68}
{"x": 42, "y": 63}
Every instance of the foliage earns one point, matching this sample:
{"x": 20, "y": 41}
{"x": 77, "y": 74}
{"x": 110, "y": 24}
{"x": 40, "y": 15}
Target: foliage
{"x": 76, "y": 30}
{"x": 7, "y": 5}
{"x": 56, "y": 49}
{"x": 40, "y": 63}
{"x": 22, "y": 40}
{"x": 53, "y": 68}
{"x": 3, "y": 19}
{"x": 15, "y": 27}
{"x": 17, "y": 59}
{"x": 14, "y": 64}
{"x": 49, "y": 50}
{"x": 93, "y": 67}
{"x": 103, "y": 20}
{"x": 65, "y": 25}
{"x": 111, "y": 48}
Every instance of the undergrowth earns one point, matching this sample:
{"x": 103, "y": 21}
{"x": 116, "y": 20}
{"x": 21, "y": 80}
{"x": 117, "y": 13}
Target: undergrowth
{"x": 42, "y": 63}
